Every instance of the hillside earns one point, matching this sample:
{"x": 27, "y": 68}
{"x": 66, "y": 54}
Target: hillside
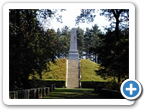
{"x": 58, "y": 71}
{"x": 88, "y": 69}
{"x": 55, "y": 71}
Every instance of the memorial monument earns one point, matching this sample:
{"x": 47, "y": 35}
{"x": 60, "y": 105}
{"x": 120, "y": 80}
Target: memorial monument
{"x": 73, "y": 80}
{"x": 73, "y": 52}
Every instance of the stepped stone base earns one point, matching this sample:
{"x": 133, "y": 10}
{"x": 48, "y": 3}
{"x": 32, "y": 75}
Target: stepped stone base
{"x": 73, "y": 74}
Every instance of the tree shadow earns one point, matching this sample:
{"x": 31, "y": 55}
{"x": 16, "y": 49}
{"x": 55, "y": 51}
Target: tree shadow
{"x": 60, "y": 93}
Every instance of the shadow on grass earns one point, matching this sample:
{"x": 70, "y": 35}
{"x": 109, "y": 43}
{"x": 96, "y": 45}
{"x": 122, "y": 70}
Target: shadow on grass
{"x": 78, "y": 93}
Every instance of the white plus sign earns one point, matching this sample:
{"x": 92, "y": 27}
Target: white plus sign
{"x": 131, "y": 89}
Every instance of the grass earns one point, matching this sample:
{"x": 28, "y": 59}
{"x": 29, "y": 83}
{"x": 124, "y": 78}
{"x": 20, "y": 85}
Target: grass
{"x": 88, "y": 70}
{"x": 58, "y": 71}
{"x": 55, "y": 71}
{"x": 77, "y": 93}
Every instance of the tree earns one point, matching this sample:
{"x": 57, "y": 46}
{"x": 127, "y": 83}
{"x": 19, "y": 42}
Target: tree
{"x": 80, "y": 40}
{"x": 86, "y": 15}
{"x": 88, "y": 41}
{"x": 31, "y": 48}
{"x": 65, "y": 41}
{"x": 118, "y": 16}
{"x": 22, "y": 24}
{"x": 96, "y": 41}
{"x": 58, "y": 41}
{"x": 114, "y": 63}
{"x": 45, "y": 16}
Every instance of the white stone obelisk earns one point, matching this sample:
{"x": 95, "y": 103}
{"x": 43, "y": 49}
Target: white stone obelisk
{"x": 73, "y": 52}
{"x": 73, "y": 80}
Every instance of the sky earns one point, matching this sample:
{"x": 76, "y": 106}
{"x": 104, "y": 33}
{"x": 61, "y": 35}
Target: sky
{"x": 68, "y": 18}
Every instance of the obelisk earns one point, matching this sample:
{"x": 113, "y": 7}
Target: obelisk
{"x": 73, "y": 52}
{"x": 72, "y": 79}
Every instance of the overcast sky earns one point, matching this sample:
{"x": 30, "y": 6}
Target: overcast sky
{"x": 68, "y": 18}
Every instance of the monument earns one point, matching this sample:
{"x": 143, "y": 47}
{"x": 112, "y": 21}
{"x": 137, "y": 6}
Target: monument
{"x": 73, "y": 52}
{"x": 73, "y": 80}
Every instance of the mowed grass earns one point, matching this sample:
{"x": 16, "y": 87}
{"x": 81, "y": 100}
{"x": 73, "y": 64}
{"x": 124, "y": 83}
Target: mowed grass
{"x": 88, "y": 71}
{"x": 55, "y": 71}
{"x": 76, "y": 93}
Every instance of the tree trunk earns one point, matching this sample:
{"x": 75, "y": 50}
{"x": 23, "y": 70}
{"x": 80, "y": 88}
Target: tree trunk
{"x": 95, "y": 58}
{"x": 116, "y": 49}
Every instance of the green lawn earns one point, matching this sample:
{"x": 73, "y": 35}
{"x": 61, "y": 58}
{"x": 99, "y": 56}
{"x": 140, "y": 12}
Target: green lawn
{"x": 77, "y": 93}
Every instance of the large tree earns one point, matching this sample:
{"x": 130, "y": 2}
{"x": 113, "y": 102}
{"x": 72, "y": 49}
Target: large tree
{"x": 30, "y": 47}
{"x": 120, "y": 16}
{"x": 119, "y": 19}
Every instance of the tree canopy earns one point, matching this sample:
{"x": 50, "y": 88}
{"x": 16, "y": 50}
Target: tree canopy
{"x": 113, "y": 47}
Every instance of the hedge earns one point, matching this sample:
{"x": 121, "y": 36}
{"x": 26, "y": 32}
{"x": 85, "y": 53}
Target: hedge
{"x": 45, "y": 83}
{"x": 91, "y": 84}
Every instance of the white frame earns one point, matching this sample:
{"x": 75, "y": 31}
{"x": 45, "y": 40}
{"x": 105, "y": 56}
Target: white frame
{"x": 8, "y": 6}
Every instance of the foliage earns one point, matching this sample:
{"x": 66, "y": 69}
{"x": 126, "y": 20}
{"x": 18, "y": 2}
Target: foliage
{"x": 120, "y": 17}
{"x": 114, "y": 55}
{"x": 80, "y": 41}
{"x": 46, "y": 82}
{"x": 91, "y": 84}
{"x": 30, "y": 47}
{"x": 65, "y": 41}
{"x": 113, "y": 85}
{"x": 85, "y": 15}
{"x": 112, "y": 48}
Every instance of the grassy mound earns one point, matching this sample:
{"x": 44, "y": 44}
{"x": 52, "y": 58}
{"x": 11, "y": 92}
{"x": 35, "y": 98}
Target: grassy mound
{"x": 55, "y": 71}
{"x": 88, "y": 71}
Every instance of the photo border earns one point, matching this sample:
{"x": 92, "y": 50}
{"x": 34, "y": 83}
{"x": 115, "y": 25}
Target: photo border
{"x": 8, "y": 6}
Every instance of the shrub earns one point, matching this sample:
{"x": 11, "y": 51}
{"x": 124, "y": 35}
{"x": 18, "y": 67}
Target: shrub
{"x": 91, "y": 84}
{"x": 113, "y": 85}
{"x": 45, "y": 83}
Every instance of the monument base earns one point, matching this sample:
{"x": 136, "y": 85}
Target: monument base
{"x": 73, "y": 51}
{"x": 73, "y": 56}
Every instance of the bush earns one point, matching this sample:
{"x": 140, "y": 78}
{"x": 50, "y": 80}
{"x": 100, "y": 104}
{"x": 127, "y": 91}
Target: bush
{"x": 45, "y": 83}
{"x": 91, "y": 84}
{"x": 113, "y": 85}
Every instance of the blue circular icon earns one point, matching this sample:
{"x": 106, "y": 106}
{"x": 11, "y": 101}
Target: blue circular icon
{"x": 130, "y": 89}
